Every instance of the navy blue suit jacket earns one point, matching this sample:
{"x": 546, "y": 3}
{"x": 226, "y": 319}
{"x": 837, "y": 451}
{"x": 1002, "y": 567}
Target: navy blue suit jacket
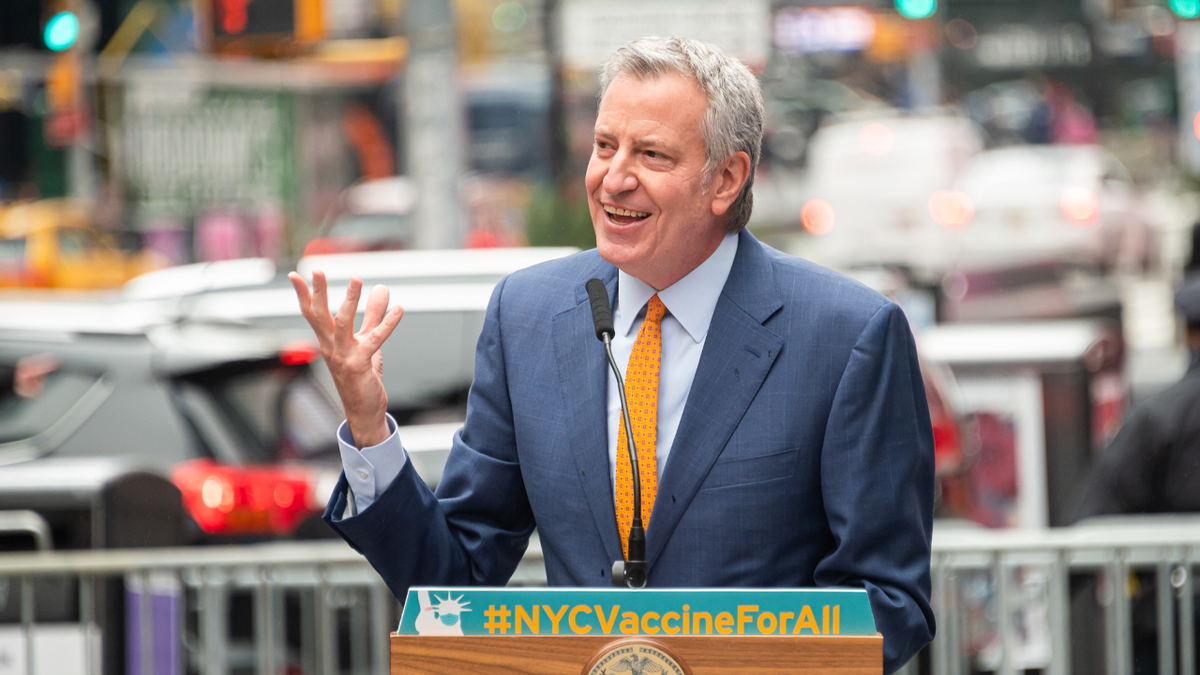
{"x": 804, "y": 456}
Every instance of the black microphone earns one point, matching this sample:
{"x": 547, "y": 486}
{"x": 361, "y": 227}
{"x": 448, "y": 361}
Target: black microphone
{"x": 631, "y": 573}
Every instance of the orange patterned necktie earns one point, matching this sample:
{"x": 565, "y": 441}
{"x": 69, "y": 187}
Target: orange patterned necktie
{"x": 641, "y": 389}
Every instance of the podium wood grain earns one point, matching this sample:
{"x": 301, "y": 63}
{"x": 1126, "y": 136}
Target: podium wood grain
{"x": 568, "y": 654}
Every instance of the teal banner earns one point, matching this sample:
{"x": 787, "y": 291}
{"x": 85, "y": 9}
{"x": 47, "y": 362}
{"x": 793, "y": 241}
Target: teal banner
{"x": 597, "y": 611}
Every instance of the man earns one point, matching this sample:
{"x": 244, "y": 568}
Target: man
{"x": 1152, "y": 465}
{"x": 781, "y": 423}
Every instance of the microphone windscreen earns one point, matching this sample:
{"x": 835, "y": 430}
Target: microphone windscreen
{"x": 601, "y": 309}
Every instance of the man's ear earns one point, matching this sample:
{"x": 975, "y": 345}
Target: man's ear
{"x": 728, "y": 180}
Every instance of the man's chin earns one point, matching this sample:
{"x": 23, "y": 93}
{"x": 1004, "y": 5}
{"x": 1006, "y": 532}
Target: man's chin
{"x": 624, "y": 257}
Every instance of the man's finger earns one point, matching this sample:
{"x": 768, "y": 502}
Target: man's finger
{"x": 319, "y": 320}
{"x": 374, "y": 340}
{"x": 377, "y": 302}
{"x": 302, "y": 292}
{"x": 319, "y": 308}
{"x": 343, "y": 323}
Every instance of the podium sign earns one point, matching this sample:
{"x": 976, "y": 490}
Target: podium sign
{"x": 595, "y": 631}
{"x": 619, "y": 612}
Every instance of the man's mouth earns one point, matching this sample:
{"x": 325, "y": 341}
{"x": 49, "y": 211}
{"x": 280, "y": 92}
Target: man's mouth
{"x": 624, "y": 216}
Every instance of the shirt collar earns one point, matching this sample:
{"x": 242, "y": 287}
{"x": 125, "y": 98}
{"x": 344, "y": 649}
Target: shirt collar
{"x": 691, "y": 300}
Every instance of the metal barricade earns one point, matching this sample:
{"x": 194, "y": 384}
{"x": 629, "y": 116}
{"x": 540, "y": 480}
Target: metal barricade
{"x": 306, "y": 608}
{"x": 297, "y": 608}
{"x": 1092, "y": 598}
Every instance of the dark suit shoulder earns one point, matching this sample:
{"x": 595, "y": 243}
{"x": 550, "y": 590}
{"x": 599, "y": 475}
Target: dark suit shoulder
{"x": 823, "y": 295}
{"x": 554, "y": 285}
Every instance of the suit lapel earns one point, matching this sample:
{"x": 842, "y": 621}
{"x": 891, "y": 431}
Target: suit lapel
{"x": 583, "y": 372}
{"x": 738, "y": 353}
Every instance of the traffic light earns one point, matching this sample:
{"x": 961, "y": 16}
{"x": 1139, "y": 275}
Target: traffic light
{"x": 920, "y": 9}
{"x": 1187, "y": 9}
{"x": 262, "y": 26}
{"x": 62, "y": 30}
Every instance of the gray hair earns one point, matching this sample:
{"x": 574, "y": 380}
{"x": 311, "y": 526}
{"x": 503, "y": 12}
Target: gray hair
{"x": 733, "y": 119}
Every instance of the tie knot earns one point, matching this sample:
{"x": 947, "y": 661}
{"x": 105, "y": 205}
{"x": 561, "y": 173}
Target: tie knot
{"x": 655, "y": 309}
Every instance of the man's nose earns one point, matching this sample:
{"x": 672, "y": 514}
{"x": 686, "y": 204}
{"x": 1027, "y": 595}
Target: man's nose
{"x": 621, "y": 175}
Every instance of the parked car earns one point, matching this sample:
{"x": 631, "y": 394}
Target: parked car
{"x": 240, "y": 424}
{"x": 1040, "y": 203}
{"x": 430, "y": 357}
{"x": 51, "y": 243}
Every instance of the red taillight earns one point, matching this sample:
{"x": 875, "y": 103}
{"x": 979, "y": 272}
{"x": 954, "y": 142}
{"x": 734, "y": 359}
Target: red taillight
{"x": 817, "y": 216}
{"x": 229, "y": 500}
{"x": 951, "y": 209}
{"x": 298, "y": 353}
{"x": 1080, "y": 205}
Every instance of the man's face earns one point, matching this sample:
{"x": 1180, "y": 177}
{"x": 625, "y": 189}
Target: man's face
{"x": 652, "y": 215}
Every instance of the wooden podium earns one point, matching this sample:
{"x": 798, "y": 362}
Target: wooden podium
{"x": 558, "y": 632}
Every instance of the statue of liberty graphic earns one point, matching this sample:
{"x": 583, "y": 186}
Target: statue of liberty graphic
{"x": 440, "y": 616}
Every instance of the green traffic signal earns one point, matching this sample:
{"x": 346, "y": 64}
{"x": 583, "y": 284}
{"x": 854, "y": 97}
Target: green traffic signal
{"x": 919, "y": 9}
{"x": 1188, "y": 9}
{"x": 62, "y": 30}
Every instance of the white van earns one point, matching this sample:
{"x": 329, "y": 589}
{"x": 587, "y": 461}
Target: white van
{"x": 870, "y": 186}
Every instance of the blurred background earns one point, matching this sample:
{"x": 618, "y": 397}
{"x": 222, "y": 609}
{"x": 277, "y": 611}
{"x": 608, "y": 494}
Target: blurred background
{"x": 1022, "y": 176}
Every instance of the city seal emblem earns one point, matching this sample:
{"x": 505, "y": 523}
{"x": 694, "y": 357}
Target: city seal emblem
{"x": 636, "y": 656}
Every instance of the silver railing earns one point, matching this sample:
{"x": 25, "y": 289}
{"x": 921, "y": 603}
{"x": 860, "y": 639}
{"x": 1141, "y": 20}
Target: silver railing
{"x": 308, "y": 607}
{"x": 180, "y": 603}
{"x": 1061, "y": 600}
{"x": 1065, "y": 601}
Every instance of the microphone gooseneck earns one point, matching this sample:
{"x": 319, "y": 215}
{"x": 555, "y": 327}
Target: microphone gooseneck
{"x": 631, "y": 573}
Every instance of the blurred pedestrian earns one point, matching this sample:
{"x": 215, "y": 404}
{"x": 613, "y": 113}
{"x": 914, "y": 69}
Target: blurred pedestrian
{"x": 1153, "y": 466}
{"x": 1153, "y": 463}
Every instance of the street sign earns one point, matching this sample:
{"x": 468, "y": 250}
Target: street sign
{"x": 591, "y": 30}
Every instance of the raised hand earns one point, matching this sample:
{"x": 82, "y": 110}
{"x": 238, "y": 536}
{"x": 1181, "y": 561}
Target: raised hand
{"x": 353, "y": 358}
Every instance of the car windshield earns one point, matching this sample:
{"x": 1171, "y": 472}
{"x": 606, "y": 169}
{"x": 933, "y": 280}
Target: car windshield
{"x": 277, "y": 412}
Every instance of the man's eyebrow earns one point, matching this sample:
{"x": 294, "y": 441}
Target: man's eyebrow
{"x": 654, "y": 142}
{"x": 645, "y": 142}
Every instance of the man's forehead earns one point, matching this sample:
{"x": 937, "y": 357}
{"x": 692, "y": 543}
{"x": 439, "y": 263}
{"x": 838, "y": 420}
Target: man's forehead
{"x": 643, "y": 81}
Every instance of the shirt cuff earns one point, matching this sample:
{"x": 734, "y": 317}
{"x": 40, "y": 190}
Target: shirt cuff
{"x": 371, "y": 470}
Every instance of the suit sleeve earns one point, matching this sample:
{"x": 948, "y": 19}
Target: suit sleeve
{"x": 476, "y": 528}
{"x": 877, "y": 476}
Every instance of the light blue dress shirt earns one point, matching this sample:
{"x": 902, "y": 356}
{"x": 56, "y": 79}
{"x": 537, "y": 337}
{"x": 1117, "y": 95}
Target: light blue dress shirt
{"x": 690, "y": 304}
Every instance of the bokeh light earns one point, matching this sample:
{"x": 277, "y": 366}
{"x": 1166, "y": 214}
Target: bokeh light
{"x": 284, "y": 495}
{"x": 1080, "y": 205}
{"x": 1188, "y": 9}
{"x": 509, "y": 16}
{"x": 877, "y": 139}
{"x": 950, "y": 208}
{"x": 61, "y": 31}
{"x": 817, "y": 216}
{"x": 961, "y": 34}
{"x": 916, "y": 9}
